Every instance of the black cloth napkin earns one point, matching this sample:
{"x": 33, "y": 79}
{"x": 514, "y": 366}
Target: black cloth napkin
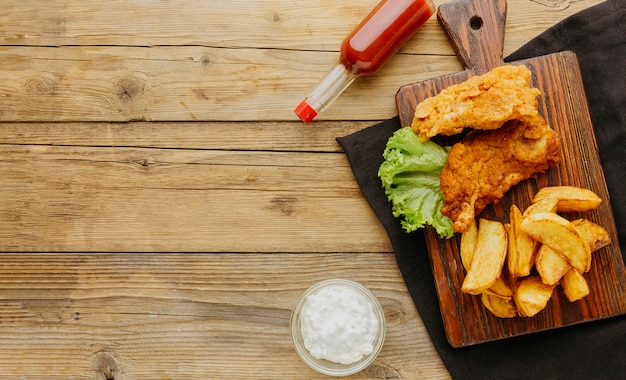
{"x": 595, "y": 350}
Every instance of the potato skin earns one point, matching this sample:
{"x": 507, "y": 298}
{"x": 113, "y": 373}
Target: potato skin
{"x": 488, "y": 258}
{"x": 570, "y": 198}
{"x": 561, "y": 235}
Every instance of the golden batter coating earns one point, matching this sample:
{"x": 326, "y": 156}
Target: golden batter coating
{"x": 486, "y": 164}
{"x": 481, "y": 102}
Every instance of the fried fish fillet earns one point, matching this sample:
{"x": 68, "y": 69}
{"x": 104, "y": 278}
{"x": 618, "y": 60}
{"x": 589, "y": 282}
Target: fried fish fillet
{"x": 486, "y": 164}
{"x": 481, "y": 102}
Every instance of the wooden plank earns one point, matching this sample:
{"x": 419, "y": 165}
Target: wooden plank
{"x": 195, "y": 316}
{"x": 142, "y": 199}
{"x": 102, "y": 69}
{"x": 265, "y": 136}
{"x": 188, "y": 84}
{"x": 305, "y": 25}
{"x": 564, "y": 106}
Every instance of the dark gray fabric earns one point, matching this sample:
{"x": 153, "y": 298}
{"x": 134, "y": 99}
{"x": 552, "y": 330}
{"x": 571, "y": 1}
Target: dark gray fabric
{"x": 595, "y": 350}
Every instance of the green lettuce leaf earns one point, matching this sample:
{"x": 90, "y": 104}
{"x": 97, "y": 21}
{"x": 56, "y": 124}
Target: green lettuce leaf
{"x": 410, "y": 176}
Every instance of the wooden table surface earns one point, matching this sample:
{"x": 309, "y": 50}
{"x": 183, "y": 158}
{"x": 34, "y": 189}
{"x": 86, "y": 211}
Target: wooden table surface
{"x": 135, "y": 132}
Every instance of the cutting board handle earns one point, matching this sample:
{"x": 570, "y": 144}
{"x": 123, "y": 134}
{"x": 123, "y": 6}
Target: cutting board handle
{"x": 476, "y": 31}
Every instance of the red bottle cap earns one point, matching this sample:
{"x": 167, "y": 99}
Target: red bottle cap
{"x": 305, "y": 112}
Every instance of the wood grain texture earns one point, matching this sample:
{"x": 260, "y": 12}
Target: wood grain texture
{"x": 269, "y": 136}
{"x": 192, "y": 316}
{"x": 113, "y": 200}
{"x": 276, "y": 24}
{"x": 564, "y": 105}
{"x": 479, "y": 46}
{"x": 125, "y": 62}
{"x": 188, "y": 84}
{"x": 220, "y": 181}
{"x": 130, "y": 126}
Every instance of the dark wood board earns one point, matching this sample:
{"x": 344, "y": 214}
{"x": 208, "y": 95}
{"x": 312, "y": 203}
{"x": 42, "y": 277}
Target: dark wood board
{"x": 476, "y": 31}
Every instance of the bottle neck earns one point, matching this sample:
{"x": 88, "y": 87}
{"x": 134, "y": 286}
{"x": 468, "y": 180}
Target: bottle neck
{"x": 330, "y": 87}
{"x": 325, "y": 92}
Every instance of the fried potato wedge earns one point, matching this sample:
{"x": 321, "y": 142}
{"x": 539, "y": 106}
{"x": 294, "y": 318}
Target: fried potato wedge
{"x": 468, "y": 245}
{"x": 488, "y": 259}
{"x": 542, "y": 205}
{"x": 574, "y": 285}
{"x": 540, "y": 248}
{"x": 532, "y": 296}
{"x": 522, "y": 247}
{"x": 551, "y": 266}
{"x": 595, "y": 235}
{"x": 559, "y": 234}
{"x": 570, "y": 198}
{"x": 500, "y": 289}
{"x": 500, "y": 307}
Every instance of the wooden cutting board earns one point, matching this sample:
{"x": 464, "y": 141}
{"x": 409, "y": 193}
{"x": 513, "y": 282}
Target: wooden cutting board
{"x": 476, "y": 30}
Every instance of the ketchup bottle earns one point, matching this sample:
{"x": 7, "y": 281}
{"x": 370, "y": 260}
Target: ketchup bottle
{"x": 388, "y": 26}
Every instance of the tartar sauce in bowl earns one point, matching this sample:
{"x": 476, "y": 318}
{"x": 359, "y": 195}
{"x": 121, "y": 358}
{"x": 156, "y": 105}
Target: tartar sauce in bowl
{"x": 338, "y": 327}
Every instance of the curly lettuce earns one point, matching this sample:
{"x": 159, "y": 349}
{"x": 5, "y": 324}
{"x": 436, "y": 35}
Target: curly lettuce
{"x": 410, "y": 176}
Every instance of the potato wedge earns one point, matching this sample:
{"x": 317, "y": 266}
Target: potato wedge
{"x": 570, "y": 198}
{"x": 532, "y": 296}
{"x": 542, "y": 205}
{"x": 559, "y": 234}
{"x": 574, "y": 285}
{"x": 551, "y": 266}
{"x": 595, "y": 235}
{"x": 500, "y": 289}
{"x": 500, "y": 307}
{"x": 488, "y": 258}
{"x": 522, "y": 247}
{"x": 468, "y": 244}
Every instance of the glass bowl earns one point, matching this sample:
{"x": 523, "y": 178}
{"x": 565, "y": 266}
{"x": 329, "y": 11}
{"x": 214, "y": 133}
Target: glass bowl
{"x": 329, "y": 367}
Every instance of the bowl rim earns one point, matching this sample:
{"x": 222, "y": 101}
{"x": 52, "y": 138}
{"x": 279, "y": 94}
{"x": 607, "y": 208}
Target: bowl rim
{"x": 324, "y": 366}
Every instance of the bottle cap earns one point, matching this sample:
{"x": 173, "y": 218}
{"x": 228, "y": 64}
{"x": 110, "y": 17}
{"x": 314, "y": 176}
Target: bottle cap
{"x": 305, "y": 112}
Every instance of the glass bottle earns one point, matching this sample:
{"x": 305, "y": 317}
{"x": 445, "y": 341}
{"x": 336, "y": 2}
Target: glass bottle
{"x": 364, "y": 51}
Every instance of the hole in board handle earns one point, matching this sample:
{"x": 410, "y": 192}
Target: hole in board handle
{"x": 476, "y": 22}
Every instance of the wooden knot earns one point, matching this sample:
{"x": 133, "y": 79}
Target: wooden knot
{"x": 129, "y": 87}
{"x": 42, "y": 84}
{"x": 286, "y": 206}
{"x": 380, "y": 370}
{"x": 107, "y": 366}
{"x": 143, "y": 162}
{"x": 558, "y": 5}
{"x": 205, "y": 60}
{"x": 394, "y": 313}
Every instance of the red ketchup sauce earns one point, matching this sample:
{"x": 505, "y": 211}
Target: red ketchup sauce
{"x": 382, "y": 33}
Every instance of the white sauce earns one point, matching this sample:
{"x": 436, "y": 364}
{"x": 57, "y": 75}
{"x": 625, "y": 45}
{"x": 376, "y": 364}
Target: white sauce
{"x": 339, "y": 324}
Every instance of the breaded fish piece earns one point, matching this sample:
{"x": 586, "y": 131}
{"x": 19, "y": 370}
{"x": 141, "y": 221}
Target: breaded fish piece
{"x": 481, "y": 102}
{"x": 486, "y": 164}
